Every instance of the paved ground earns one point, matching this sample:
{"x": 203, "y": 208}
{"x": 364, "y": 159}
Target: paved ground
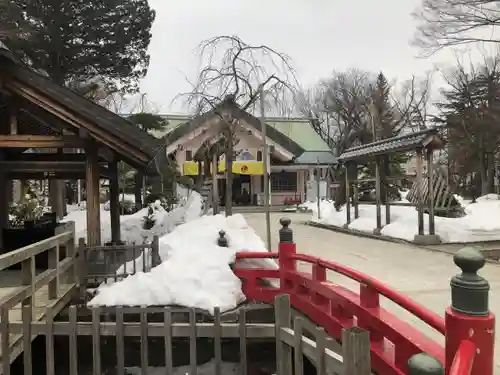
{"x": 422, "y": 274}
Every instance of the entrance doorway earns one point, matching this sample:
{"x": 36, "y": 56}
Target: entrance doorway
{"x": 242, "y": 186}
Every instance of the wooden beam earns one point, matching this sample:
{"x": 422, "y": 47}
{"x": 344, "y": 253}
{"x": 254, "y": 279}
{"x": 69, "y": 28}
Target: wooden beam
{"x": 39, "y": 141}
{"x": 56, "y": 175}
{"x": 48, "y": 157}
{"x": 43, "y": 166}
{"x": 54, "y": 108}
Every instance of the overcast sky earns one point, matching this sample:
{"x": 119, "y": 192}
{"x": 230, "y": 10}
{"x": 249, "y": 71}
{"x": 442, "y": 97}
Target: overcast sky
{"x": 319, "y": 35}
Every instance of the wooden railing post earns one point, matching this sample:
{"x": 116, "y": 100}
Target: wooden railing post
{"x": 356, "y": 351}
{"x": 82, "y": 266}
{"x": 71, "y": 252}
{"x": 469, "y": 317}
{"x": 155, "y": 252}
{"x": 319, "y": 275}
{"x": 283, "y": 319}
{"x": 53, "y": 263}
{"x": 28, "y": 277}
{"x": 286, "y": 249}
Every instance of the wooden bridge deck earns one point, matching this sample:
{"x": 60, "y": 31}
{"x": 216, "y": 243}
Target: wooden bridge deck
{"x": 9, "y": 285}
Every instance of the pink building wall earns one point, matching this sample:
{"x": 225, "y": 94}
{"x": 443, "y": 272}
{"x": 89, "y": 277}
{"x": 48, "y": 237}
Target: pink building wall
{"x": 247, "y": 142}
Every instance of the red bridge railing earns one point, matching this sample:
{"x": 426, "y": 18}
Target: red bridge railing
{"x": 397, "y": 347}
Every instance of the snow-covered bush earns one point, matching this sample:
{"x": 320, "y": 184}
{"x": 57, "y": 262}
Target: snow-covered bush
{"x": 30, "y": 208}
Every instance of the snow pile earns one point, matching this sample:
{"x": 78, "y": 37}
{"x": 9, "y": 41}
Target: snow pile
{"x": 195, "y": 271}
{"x": 482, "y": 222}
{"x": 132, "y": 225}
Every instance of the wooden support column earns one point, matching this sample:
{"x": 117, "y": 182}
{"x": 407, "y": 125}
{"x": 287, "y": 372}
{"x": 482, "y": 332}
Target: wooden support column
{"x": 55, "y": 196}
{"x": 430, "y": 177}
{"x": 347, "y": 195}
{"x": 114, "y": 205}
{"x": 355, "y": 187}
{"x": 92, "y": 187}
{"x": 387, "y": 195}
{"x": 420, "y": 196}
{"x": 215, "y": 192}
{"x": 4, "y": 202}
{"x": 14, "y": 186}
{"x": 378, "y": 194}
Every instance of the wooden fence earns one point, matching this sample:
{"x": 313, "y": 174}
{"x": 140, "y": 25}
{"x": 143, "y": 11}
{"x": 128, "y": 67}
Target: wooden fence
{"x": 60, "y": 279}
{"x": 115, "y": 262}
{"x": 443, "y": 198}
{"x": 322, "y": 351}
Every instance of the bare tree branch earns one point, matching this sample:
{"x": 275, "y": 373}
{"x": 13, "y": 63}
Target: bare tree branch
{"x": 446, "y": 23}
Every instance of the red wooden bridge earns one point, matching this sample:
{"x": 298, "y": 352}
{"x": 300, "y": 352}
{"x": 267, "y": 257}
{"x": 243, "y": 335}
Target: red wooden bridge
{"x": 396, "y": 346}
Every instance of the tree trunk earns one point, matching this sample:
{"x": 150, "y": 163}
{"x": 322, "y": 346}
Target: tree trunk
{"x": 482, "y": 165}
{"x": 490, "y": 166}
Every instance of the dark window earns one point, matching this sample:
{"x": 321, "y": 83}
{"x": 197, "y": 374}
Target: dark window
{"x": 259, "y": 155}
{"x": 284, "y": 181}
{"x": 189, "y": 155}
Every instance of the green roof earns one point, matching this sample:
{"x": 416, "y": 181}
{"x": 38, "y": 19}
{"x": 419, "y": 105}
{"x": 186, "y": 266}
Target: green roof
{"x": 173, "y": 121}
{"x": 298, "y": 130}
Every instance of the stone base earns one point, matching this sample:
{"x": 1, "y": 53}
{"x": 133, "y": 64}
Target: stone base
{"x": 345, "y": 226}
{"x": 427, "y": 239}
{"x": 377, "y": 231}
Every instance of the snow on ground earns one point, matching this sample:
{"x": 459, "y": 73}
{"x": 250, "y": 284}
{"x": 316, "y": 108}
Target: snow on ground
{"x": 195, "y": 271}
{"x": 189, "y": 207}
{"x": 482, "y": 222}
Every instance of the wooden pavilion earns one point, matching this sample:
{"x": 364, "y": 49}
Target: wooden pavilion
{"x": 38, "y": 114}
{"x": 423, "y": 143}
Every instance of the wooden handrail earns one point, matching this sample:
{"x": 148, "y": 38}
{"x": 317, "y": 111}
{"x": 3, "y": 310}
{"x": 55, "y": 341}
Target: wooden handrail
{"x": 26, "y": 252}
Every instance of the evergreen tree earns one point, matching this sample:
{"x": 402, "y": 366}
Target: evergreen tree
{"x": 382, "y": 108}
{"x": 76, "y": 40}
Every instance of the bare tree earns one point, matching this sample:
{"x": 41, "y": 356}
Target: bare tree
{"x": 233, "y": 70}
{"x": 445, "y": 23}
{"x": 342, "y": 108}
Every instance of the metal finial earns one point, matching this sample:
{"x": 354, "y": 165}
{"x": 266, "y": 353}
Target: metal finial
{"x": 286, "y": 233}
{"x": 424, "y": 364}
{"x": 222, "y": 240}
{"x": 469, "y": 291}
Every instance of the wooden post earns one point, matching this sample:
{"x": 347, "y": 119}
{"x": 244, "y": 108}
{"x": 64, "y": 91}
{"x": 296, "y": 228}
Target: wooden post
{"x": 420, "y": 197}
{"x": 378, "y": 194}
{"x": 356, "y": 351}
{"x": 92, "y": 186}
{"x": 283, "y": 319}
{"x": 387, "y": 195}
{"x": 347, "y": 196}
{"x": 215, "y": 192}
{"x": 430, "y": 178}
{"x": 4, "y": 191}
{"x": 114, "y": 204}
{"x": 355, "y": 200}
